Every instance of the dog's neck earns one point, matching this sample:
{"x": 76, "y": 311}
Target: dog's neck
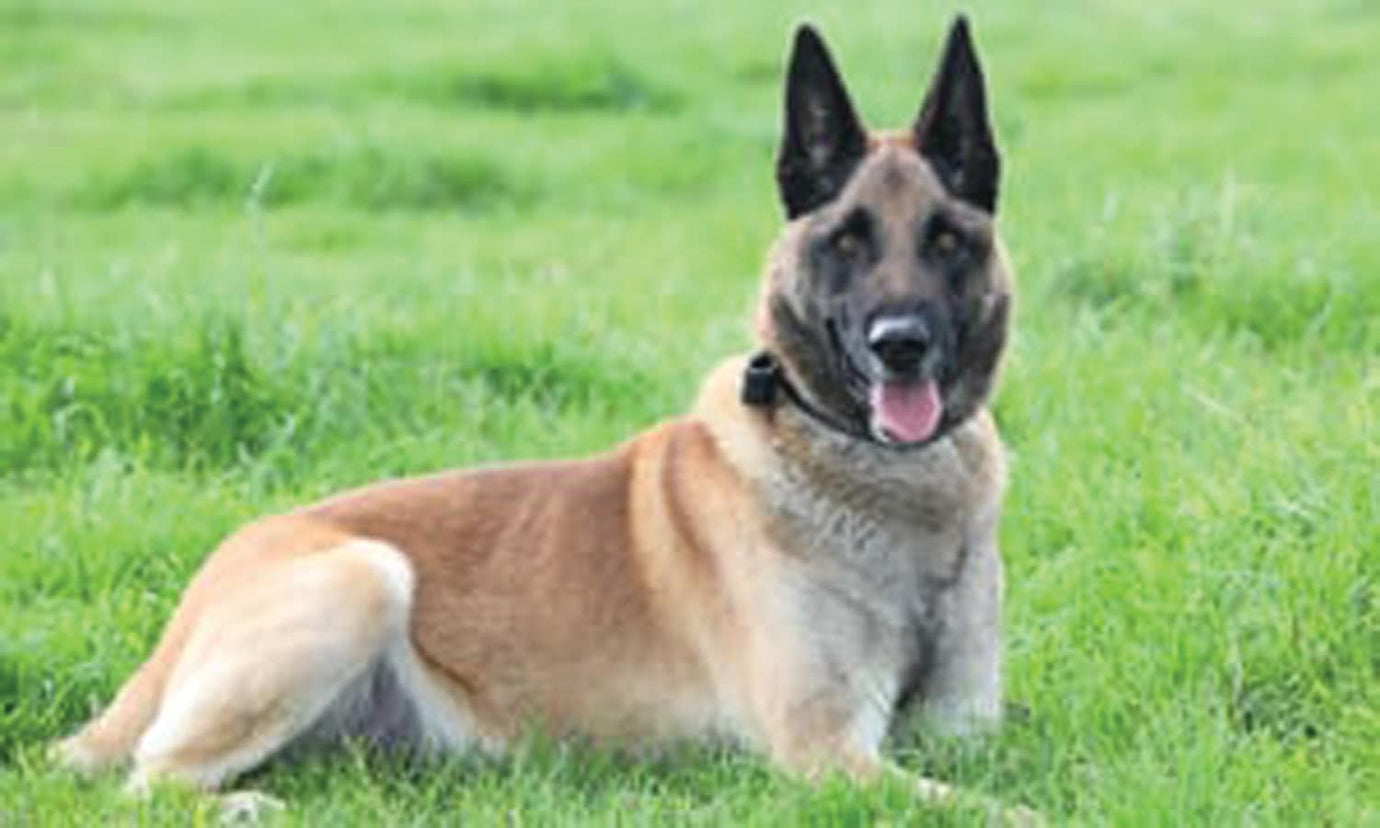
{"x": 932, "y": 487}
{"x": 766, "y": 385}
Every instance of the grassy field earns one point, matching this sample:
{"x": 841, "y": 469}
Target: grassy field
{"x": 254, "y": 252}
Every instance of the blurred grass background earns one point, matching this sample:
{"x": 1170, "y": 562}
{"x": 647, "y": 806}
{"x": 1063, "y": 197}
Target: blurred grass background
{"x": 253, "y": 252}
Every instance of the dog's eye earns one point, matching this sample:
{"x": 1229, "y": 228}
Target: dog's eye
{"x": 853, "y": 236}
{"x": 847, "y": 244}
{"x": 944, "y": 245}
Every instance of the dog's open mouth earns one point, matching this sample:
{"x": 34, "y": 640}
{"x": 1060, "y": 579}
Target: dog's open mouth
{"x": 902, "y": 411}
{"x": 905, "y": 411}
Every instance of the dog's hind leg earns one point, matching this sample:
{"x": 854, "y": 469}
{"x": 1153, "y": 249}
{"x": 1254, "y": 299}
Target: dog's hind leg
{"x": 265, "y": 659}
{"x": 109, "y": 739}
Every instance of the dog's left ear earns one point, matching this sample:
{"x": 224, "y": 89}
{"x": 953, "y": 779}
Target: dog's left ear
{"x": 823, "y": 140}
{"x": 953, "y": 132}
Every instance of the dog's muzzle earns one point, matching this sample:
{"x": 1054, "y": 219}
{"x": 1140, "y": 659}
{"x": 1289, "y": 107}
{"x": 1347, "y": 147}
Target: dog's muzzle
{"x": 900, "y": 343}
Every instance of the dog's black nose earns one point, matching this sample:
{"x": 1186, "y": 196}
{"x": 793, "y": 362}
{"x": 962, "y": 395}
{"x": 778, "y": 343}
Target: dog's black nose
{"x": 900, "y": 342}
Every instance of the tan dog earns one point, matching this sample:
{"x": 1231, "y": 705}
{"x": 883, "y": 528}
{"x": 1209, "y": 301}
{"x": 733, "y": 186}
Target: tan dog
{"x": 808, "y": 551}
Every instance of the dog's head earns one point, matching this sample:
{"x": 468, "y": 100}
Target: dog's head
{"x": 887, "y": 296}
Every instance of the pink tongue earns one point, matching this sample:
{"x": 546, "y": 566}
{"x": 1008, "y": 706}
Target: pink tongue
{"x": 907, "y": 412}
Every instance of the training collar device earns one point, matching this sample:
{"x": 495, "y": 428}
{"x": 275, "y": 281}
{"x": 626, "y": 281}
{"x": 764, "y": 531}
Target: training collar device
{"x": 765, "y": 383}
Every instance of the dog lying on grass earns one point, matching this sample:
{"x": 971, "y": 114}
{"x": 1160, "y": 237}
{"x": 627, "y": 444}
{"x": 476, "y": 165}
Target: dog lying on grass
{"x": 803, "y": 556}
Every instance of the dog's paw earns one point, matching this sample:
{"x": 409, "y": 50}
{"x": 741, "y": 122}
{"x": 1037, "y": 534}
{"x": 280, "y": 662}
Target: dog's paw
{"x": 1020, "y": 816}
{"x": 248, "y": 807}
{"x": 74, "y": 754}
{"x": 997, "y": 814}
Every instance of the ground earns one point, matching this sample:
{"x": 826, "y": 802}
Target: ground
{"x": 254, "y": 252}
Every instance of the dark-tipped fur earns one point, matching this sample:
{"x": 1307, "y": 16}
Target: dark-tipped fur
{"x": 953, "y": 132}
{"x": 896, "y": 224}
{"x": 822, "y": 140}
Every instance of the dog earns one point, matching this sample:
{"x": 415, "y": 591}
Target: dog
{"x": 806, "y": 555}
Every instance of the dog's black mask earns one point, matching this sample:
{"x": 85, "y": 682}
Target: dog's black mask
{"x": 890, "y": 303}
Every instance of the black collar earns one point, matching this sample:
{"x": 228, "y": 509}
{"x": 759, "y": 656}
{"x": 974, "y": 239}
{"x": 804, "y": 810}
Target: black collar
{"x": 765, "y": 383}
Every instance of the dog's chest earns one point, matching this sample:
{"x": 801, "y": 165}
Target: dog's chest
{"x": 894, "y": 524}
{"x": 872, "y": 553}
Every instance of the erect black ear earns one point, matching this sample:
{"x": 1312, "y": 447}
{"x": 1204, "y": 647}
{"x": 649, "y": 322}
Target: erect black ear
{"x": 952, "y": 131}
{"x": 823, "y": 141}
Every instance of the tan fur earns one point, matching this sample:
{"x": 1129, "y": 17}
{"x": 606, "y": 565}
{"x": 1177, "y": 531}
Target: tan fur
{"x": 739, "y": 573}
{"x": 899, "y": 138}
{"x": 661, "y": 591}
{"x": 634, "y": 597}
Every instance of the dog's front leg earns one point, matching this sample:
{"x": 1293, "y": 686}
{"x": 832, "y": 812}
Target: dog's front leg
{"x": 827, "y": 733}
{"x": 962, "y": 694}
{"x": 822, "y": 743}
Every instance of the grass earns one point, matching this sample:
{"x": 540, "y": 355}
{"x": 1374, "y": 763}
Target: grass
{"x": 251, "y": 253}
{"x": 365, "y": 177}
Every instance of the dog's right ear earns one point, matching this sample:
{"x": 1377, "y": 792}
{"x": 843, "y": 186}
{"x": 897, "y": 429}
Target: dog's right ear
{"x": 823, "y": 141}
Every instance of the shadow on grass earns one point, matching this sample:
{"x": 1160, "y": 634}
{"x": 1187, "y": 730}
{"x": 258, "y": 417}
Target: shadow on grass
{"x": 591, "y": 81}
{"x": 365, "y": 176}
{"x": 578, "y": 783}
{"x": 203, "y": 398}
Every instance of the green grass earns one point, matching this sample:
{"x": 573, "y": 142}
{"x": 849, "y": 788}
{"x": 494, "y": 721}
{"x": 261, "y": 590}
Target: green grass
{"x": 254, "y": 252}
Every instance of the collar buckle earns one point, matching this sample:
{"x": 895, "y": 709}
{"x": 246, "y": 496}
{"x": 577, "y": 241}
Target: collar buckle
{"x": 761, "y": 381}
